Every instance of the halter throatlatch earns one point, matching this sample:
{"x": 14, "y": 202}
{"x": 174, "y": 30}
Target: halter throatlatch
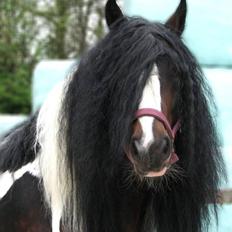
{"x": 161, "y": 117}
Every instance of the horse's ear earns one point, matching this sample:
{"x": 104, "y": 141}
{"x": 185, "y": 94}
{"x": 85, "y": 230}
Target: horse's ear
{"x": 177, "y": 21}
{"x": 112, "y": 12}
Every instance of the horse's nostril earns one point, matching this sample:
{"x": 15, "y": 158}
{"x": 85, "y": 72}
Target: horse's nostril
{"x": 161, "y": 147}
{"x": 137, "y": 147}
{"x": 165, "y": 145}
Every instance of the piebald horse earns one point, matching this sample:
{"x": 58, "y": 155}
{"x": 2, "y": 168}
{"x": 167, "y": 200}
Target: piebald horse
{"x": 127, "y": 143}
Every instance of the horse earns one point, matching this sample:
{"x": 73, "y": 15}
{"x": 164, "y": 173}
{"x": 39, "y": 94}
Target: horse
{"x": 127, "y": 142}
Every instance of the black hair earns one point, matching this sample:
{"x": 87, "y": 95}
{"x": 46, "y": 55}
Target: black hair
{"x": 98, "y": 111}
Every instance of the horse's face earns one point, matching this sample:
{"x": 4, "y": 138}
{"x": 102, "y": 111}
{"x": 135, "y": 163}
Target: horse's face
{"x": 151, "y": 150}
{"x": 151, "y": 146}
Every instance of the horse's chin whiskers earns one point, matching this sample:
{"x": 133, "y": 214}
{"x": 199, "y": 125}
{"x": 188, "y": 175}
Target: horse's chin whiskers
{"x": 130, "y": 177}
{"x": 158, "y": 184}
{"x": 176, "y": 173}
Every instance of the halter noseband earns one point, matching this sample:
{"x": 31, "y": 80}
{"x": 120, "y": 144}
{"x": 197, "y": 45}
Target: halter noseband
{"x": 161, "y": 117}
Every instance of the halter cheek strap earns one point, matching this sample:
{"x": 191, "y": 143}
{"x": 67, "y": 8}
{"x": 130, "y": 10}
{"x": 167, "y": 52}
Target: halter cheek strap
{"x": 161, "y": 117}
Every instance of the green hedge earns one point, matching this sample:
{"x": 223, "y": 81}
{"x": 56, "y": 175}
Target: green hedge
{"x": 15, "y": 91}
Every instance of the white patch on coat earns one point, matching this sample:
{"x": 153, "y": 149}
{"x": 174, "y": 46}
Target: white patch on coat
{"x": 7, "y": 178}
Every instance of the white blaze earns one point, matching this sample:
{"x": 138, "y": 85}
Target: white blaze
{"x": 151, "y": 98}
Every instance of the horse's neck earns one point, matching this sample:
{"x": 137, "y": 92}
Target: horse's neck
{"x": 132, "y": 211}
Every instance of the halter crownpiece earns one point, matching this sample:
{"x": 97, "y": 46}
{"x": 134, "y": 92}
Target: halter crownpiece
{"x": 161, "y": 117}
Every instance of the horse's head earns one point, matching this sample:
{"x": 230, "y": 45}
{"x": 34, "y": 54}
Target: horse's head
{"x": 151, "y": 150}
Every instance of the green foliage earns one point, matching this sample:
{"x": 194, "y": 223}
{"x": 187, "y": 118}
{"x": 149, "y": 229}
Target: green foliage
{"x": 32, "y": 30}
{"x": 15, "y": 92}
{"x": 17, "y": 33}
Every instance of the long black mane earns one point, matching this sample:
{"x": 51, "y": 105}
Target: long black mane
{"x": 99, "y": 109}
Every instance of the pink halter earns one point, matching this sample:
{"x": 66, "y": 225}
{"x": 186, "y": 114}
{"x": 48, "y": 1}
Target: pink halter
{"x": 161, "y": 117}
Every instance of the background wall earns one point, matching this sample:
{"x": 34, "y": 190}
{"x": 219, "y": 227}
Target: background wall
{"x": 208, "y": 27}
